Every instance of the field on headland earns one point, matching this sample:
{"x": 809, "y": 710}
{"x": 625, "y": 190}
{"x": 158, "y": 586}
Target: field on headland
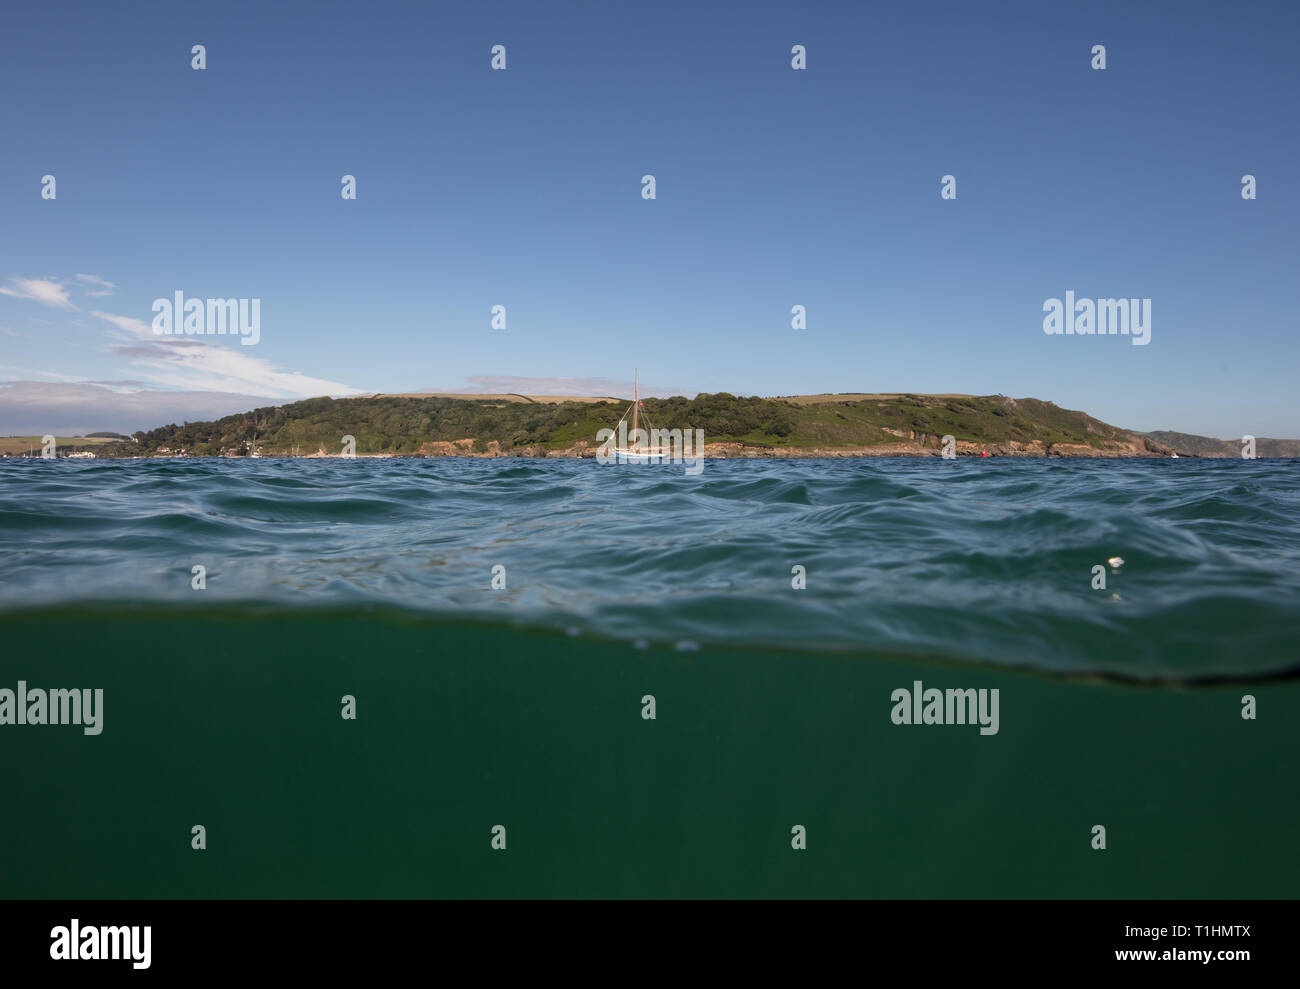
{"x": 23, "y": 444}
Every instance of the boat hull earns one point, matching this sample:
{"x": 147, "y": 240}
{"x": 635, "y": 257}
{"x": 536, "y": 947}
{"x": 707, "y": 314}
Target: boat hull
{"x": 639, "y": 456}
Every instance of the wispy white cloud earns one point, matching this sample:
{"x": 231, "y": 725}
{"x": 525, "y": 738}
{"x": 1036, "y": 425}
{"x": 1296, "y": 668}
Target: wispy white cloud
{"x": 185, "y": 364}
{"x": 194, "y": 365}
{"x": 45, "y": 290}
{"x": 99, "y": 286}
{"x": 128, "y": 324}
{"x": 51, "y": 375}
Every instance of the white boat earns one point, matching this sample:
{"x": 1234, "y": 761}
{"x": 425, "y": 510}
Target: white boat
{"x": 1174, "y": 457}
{"x": 638, "y": 452}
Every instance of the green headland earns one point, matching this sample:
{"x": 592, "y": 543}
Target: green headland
{"x": 551, "y": 426}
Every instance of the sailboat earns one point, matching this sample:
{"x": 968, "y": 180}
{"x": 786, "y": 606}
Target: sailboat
{"x": 636, "y": 448}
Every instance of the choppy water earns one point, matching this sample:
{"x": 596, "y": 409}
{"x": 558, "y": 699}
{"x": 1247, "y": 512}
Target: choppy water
{"x": 988, "y": 562}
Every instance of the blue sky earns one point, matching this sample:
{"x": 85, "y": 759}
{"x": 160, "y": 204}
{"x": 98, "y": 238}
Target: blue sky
{"x": 775, "y": 187}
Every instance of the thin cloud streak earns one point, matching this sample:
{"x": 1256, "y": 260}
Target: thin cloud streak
{"x": 44, "y": 290}
{"x": 100, "y": 286}
{"x": 578, "y": 387}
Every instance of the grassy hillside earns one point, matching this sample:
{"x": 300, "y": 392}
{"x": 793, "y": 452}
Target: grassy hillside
{"x": 414, "y": 424}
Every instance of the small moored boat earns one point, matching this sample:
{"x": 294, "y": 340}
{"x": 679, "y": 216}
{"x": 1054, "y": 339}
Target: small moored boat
{"x": 637, "y": 448}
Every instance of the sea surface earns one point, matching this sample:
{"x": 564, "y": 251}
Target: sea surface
{"x": 524, "y": 705}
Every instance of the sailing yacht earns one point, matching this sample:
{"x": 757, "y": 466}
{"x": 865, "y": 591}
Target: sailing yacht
{"x": 637, "y": 448}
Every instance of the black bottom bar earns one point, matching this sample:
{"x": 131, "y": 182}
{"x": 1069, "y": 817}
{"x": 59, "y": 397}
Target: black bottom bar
{"x": 336, "y": 938}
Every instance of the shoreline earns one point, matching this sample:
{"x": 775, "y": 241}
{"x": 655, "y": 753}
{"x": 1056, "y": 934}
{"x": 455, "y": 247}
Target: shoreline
{"x": 742, "y": 453}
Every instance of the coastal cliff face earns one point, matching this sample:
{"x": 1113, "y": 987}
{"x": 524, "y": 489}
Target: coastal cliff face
{"x": 931, "y": 446}
{"x": 917, "y": 446}
{"x": 858, "y": 425}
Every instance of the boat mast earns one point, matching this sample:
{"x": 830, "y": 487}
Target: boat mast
{"x": 636, "y": 401}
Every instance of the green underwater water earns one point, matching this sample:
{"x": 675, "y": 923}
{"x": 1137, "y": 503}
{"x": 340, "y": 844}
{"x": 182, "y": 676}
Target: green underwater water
{"x": 230, "y": 717}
